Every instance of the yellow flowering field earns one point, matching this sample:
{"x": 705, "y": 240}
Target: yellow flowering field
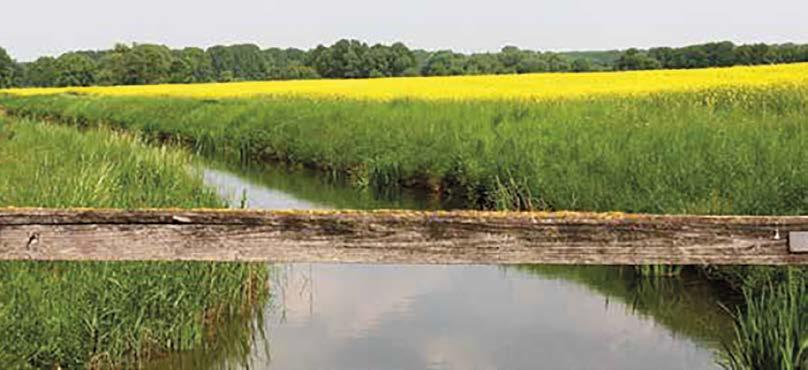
{"x": 545, "y": 86}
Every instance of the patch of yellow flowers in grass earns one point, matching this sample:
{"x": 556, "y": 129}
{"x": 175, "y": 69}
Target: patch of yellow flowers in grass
{"x": 542, "y": 86}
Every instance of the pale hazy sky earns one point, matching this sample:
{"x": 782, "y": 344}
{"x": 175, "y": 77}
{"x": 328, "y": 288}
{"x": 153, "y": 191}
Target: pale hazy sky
{"x": 32, "y": 28}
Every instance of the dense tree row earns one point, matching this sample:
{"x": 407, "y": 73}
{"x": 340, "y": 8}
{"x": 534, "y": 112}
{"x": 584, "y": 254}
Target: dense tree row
{"x": 152, "y": 64}
{"x": 714, "y": 54}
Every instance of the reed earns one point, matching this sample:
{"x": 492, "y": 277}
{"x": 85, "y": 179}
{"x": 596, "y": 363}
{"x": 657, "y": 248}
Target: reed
{"x": 107, "y": 315}
{"x": 771, "y": 329}
{"x": 717, "y": 152}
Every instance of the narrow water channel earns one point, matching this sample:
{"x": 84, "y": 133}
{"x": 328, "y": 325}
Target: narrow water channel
{"x": 352, "y": 317}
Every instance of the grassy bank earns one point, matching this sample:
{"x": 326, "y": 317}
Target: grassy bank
{"x": 720, "y": 151}
{"x": 714, "y": 152}
{"x": 107, "y": 315}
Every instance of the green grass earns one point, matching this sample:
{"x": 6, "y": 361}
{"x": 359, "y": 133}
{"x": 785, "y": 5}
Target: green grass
{"x": 771, "y": 330}
{"x": 718, "y": 152}
{"x": 107, "y": 315}
{"x": 58, "y": 166}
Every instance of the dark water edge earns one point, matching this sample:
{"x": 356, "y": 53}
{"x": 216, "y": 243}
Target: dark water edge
{"x": 332, "y": 316}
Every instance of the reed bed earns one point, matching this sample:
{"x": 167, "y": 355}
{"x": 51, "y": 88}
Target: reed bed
{"x": 715, "y": 152}
{"x": 107, "y": 315}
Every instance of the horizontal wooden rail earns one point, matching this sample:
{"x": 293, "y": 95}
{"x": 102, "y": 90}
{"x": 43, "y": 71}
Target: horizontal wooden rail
{"x": 397, "y": 237}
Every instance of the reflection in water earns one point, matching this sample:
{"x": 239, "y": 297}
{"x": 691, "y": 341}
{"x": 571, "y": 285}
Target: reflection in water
{"x": 459, "y": 317}
{"x": 235, "y": 190}
{"x": 281, "y": 188}
{"x": 456, "y": 317}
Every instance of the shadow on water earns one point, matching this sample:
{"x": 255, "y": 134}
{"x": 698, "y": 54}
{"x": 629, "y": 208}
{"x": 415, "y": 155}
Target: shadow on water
{"x": 287, "y": 188}
{"x": 453, "y": 317}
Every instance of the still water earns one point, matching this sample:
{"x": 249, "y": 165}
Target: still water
{"x": 353, "y": 317}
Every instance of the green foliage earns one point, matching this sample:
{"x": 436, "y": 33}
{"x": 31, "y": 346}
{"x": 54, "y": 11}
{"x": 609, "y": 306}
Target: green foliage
{"x": 600, "y": 60}
{"x": 146, "y": 64}
{"x": 74, "y": 69}
{"x": 715, "y": 152}
{"x": 238, "y": 62}
{"x": 354, "y": 59}
{"x": 581, "y": 65}
{"x": 150, "y": 64}
{"x": 41, "y": 73}
{"x": 445, "y": 63}
{"x": 7, "y": 69}
{"x": 107, "y": 315}
{"x": 191, "y": 65}
{"x": 634, "y": 59}
{"x": 771, "y": 330}
{"x": 66, "y": 168}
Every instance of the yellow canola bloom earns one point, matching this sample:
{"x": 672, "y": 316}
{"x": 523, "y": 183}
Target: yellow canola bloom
{"x": 540, "y": 86}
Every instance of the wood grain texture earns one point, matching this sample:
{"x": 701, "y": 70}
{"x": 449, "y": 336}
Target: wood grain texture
{"x": 396, "y": 237}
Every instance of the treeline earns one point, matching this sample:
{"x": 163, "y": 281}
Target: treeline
{"x": 152, "y": 64}
{"x": 714, "y": 54}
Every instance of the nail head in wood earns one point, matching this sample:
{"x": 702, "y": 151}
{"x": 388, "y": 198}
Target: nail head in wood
{"x": 798, "y": 242}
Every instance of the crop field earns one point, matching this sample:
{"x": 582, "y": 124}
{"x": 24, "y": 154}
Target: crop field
{"x": 540, "y": 86}
{"x": 737, "y": 148}
{"x": 709, "y": 141}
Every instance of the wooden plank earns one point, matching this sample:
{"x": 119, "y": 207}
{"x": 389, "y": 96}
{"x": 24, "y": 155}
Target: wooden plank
{"x": 396, "y": 237}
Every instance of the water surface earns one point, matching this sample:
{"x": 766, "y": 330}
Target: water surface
{"x": 352, "y": 317}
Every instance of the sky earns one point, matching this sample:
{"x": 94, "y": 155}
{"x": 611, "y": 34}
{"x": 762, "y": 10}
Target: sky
{"x": 32, "y": 28}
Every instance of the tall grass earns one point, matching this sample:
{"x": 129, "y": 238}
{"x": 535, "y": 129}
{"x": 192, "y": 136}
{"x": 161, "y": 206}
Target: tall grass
{"x": 722, "y": 151}
{"x": 771, "y": 331}
{"x": 716, "y": 152}
{"x": 107, "y": 315}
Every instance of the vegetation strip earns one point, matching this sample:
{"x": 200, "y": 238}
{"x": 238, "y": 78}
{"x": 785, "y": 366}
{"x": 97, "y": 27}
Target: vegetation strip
{"x": 532, "y": 87}
{"x": 396, "y": 237}
{"x": 142, "y": 63}
{"x": 105, "y": 315}
{"x": 726, "y": 151}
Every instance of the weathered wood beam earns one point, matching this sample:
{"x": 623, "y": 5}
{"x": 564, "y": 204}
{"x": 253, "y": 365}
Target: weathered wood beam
{"x": 396, "y": 237}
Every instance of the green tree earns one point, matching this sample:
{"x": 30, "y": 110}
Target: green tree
{"x": 634, "y": 59}
{"x": 41, "y": 72}
{"x": 344, "y": 59}
{"x": 238, "y": 62}
{"x": 249, "y": 62}
{"x": 720, "y": 54}
{"x": 445, "y": 63}
{"x": 532, "y": 62}
{"x": 377, "y": 61}
{"x": 191, "y": 65}
{"x": 754, "y": 54}
{"x": 18, "y": 77}
{"x": 287, "y": 64}
{"x": 556, "y": 62}
{"x": 147, "y": 64}
{"x": 75, "y": 69}
{"x": 511, "y": 57}
{"x": 299, "y": 72}
{"x": 485, "y": 64}
{"x": 7, "y": 69}
{"x": 112, "y": 68}
{"x": 403, "y": 59}
{"x": 581, "y": 65}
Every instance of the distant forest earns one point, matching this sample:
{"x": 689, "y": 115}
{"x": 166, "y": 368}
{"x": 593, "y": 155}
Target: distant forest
{"x": 152, "y": 64}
